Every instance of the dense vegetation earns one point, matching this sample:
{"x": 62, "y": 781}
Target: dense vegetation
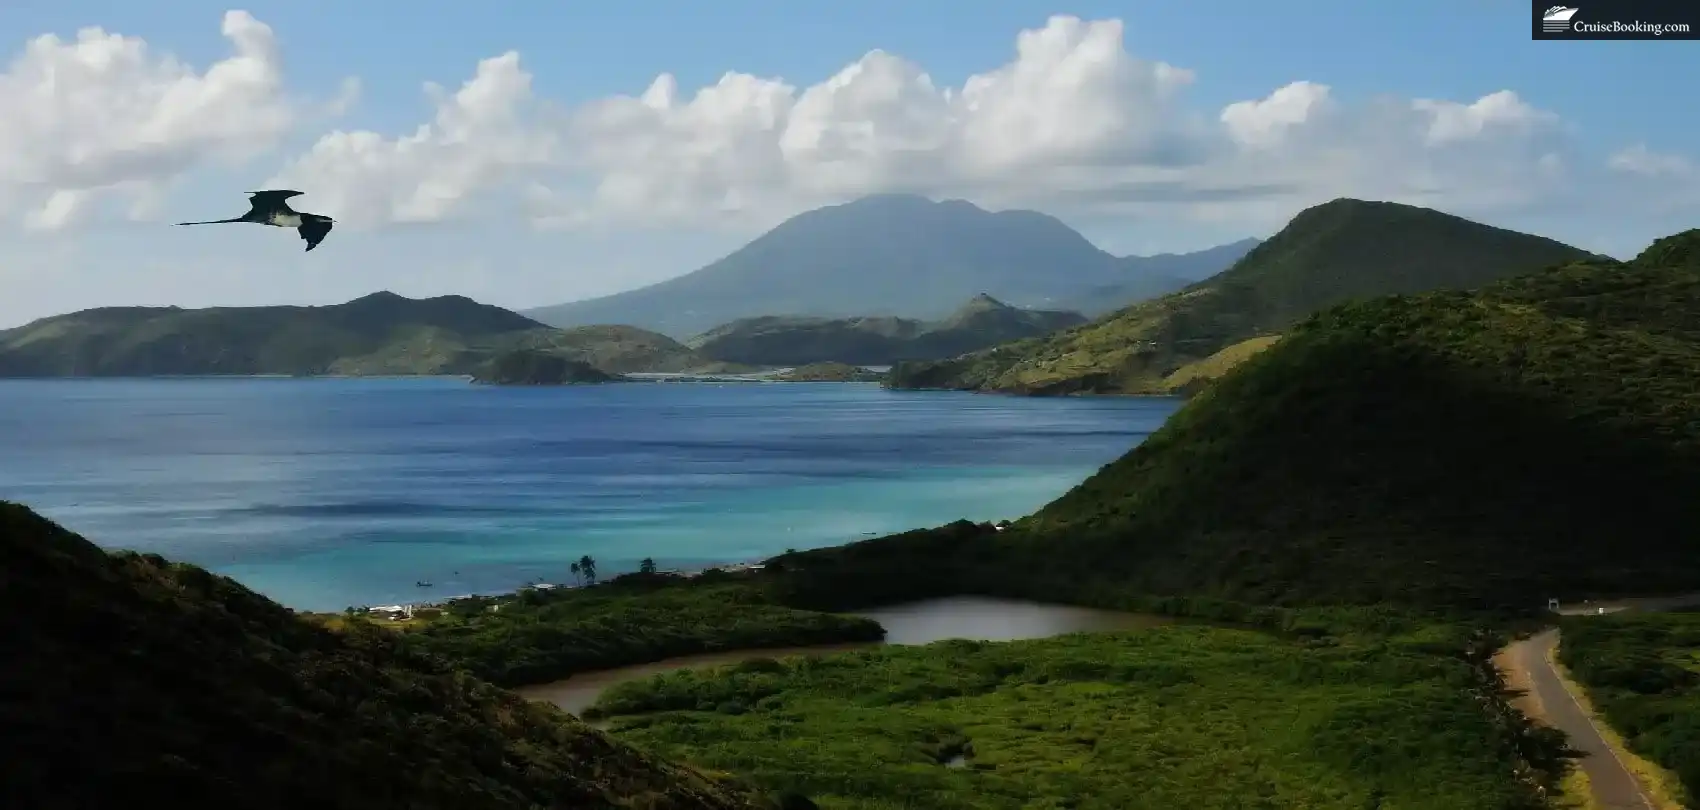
{"x": 781, "y": 341}
{"x": 540, "y": 636}
{"x": 1643, "y": 672}
{"x": 1178, "y": 716}
{"x": 1479, "y": 450}
{"x": 132, "y": 680}
{"x": 828, "y": 372}
{"x": 1336, "y": 252}
{"x": 535, "y": 367}
{"x": 382, "y": 333}
{"x": 897, "y": 255}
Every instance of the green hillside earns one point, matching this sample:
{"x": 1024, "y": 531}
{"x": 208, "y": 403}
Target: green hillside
{"x": 785, "y": 341}
{"x": 1538, "y": 438}
{"x": 381, "y": 333}
{"x": 139, "y": 681}
{"x": 1336, "y": 252}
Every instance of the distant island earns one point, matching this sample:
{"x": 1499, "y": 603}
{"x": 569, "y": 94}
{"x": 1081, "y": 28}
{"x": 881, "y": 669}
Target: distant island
{"x": 898, "y": 256}
{"x": 1332, "y": 253}
{"x": 378, "y": 334}
{"x": 537, "y": 367}
{"x": 781, "y": 341}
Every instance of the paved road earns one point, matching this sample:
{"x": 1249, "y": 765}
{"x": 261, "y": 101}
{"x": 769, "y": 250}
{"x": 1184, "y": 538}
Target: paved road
{"x": 1614, "y": 787}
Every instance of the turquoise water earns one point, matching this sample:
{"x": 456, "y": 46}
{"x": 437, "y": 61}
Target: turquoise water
{"x": 330, "y": 492}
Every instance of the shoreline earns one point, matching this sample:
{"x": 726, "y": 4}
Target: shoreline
{"x": 401, "y": 611}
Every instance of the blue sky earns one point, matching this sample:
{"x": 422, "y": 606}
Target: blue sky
{"x": 1594, "y": 99}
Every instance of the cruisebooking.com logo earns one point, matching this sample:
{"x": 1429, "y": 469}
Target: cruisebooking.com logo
{"x": 1560, "y": 20}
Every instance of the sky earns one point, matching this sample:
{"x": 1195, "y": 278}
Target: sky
{"x": 526, "y": 154}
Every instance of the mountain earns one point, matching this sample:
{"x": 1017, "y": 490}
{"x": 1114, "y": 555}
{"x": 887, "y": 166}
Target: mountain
{"x": 894, "y": 255}
{"x": 786, "y": 341}
{"x": 1538, "y": 438}
{"x": 1335, "y": 252}
{"x": 1194, "y": 266}
{"x": 152, "y": 680}
{"x": 381, "y": 333}
{"x": 1156, "y": 275}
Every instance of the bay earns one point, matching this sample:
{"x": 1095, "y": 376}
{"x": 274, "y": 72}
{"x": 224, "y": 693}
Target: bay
{"x": 324, "y": 493}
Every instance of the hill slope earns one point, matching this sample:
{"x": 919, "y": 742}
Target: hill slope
{"x": 151, "y": 680}
{"x": 1539, "y": 438}
{"x": 893, "y": 255}
{"x": 982, "y": 322}
{"x": 381, "y": 333}
{"x": 1335, "y": 252}
{"x": 534, "y": 367}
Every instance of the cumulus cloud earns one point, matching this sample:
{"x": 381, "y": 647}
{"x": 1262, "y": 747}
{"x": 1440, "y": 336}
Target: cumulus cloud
{"x": 482, "y": 135}
{"x": 1071, "y": 122}
{"x": 105, "y": 114}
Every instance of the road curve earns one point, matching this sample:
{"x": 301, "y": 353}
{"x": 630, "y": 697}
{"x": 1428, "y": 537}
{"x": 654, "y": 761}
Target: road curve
{"x": 1613, "y": 785}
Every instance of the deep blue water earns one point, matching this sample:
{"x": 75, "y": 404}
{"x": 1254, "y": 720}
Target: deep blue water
{"x": 331, "y": 492}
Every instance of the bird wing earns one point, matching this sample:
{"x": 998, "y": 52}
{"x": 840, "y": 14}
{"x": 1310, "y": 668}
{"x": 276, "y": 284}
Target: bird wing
{"x": 271, "y": 196}
{"x": 314, "y": 232}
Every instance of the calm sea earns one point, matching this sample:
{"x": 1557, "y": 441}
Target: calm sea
{"x": 331, "y": 492}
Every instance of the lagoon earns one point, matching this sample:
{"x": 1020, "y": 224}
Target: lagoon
{"x": 325, "y": 493}
{"x": 921, "y": 622}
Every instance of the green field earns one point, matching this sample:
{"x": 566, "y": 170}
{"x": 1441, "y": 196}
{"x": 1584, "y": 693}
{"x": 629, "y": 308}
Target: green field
{"x": 540, "y": 636}
{"x": 1175, "y": 717}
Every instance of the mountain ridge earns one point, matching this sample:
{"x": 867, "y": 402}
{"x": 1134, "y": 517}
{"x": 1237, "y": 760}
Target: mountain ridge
{"x": 1337, "y": 251}
{"x": 892, "y": 255}
{"x": 798, "y": 340}
{"x": 381, "y": 333}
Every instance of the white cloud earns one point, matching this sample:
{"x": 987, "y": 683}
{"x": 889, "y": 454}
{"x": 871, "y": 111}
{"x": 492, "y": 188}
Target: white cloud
{"x": 105, "y": 114}
{"x": 482, "y": 135}
{"x": 1640, "y": 160}
{"x": 1072, "y": 123}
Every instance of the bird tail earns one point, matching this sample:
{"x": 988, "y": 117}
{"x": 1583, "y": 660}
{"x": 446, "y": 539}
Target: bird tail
{"x": 212, "y": 221}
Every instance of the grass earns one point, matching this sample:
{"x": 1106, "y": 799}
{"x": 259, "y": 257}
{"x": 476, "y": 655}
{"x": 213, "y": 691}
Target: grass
{"x": 540, "y": 636}
{"x": 1642, "y": 671}
{"x": 1575, "y": 792}
{"x": 1182, "y": 716}
{"x": 1195, "y": 375}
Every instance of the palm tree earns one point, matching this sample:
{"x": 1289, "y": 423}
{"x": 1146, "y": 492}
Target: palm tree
{"x": 578, "y": 573}
{"x": 587, "y": 567}
{"x": 647, "y": 566}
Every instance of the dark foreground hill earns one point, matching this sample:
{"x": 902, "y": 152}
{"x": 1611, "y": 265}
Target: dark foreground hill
{"x": 1332, "y": 253}
{"x": 875, "y": 341}
{"x": 1538, "y": 438}
{"x": 135, "y": 681}
{"x": 897, "y": 255}
{"x": 381, "y": 333}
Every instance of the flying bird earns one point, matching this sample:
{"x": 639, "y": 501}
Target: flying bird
{"x": 270, "y": 208}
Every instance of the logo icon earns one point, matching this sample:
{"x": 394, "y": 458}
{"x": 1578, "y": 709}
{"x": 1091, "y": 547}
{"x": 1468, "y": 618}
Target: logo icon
{"x": 1557, "y": 19}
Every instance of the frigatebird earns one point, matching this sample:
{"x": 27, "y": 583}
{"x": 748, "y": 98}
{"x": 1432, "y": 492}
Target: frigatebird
{"x": 270, "y": 208}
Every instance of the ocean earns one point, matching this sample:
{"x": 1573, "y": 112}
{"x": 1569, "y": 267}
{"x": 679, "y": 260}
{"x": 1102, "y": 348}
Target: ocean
{"x": 326, "y": 493}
